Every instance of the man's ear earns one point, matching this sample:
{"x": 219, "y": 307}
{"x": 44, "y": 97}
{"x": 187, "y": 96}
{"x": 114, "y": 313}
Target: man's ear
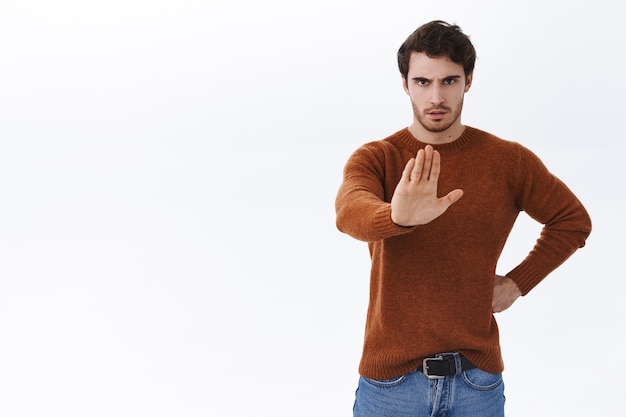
{"x": 404, "y": 85}
{"x": 468, "y": 82}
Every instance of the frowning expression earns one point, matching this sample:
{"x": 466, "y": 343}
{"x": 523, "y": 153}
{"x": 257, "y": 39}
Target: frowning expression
{"x": 436, "y": 87}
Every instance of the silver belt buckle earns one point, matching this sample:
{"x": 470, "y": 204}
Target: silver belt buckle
{"x": 425, "y": 368}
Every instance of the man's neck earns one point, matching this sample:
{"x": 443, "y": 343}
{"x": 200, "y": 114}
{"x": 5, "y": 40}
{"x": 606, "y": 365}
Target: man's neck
{"x": 436, "y": 138}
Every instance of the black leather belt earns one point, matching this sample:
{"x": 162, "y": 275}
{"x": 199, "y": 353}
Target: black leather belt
{"x": 442, "y": 366}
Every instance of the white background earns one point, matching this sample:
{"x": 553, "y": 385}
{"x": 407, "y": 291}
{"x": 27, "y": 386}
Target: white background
{"x": 168, "y": 172}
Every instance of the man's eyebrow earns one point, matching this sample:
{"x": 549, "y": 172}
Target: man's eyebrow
{"x": 444, "y": 78}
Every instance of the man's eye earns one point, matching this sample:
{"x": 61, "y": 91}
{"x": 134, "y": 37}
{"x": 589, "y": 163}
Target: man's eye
{"x": 422, "y": 82}
{"x": 449, "y": 81}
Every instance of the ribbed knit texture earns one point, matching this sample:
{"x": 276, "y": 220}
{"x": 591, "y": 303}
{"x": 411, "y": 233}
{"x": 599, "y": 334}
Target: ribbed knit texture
{"x": 431, "y": 286}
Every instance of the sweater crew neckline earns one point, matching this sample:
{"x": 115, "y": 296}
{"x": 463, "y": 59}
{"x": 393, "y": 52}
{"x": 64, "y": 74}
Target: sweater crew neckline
{"x": 461, "y": 142}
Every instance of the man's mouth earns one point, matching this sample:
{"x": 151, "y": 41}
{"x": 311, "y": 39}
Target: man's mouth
{"x": 437, "y": 114}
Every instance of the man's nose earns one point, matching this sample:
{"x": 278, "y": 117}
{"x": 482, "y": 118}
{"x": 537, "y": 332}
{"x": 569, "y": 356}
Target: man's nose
{"x": 437, "y": 97}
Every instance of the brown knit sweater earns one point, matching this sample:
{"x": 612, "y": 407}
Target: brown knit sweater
{"x": 431, "y": 286}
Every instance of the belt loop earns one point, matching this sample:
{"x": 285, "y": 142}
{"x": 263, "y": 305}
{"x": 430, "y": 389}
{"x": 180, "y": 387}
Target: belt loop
{"x": 457, "y": 362}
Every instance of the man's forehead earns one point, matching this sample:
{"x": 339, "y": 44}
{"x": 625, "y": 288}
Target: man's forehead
{"x": 443, "y": 66}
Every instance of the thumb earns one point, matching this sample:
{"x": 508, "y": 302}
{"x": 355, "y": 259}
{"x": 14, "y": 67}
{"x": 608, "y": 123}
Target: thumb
{"x": 453, "y": 196}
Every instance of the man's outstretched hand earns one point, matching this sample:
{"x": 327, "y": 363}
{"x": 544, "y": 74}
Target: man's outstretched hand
{"x": 415, "y": 200}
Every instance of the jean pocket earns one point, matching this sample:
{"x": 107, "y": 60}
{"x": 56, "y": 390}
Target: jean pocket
{"x": 385, "y": 383}
{"x": 481, "y": 380}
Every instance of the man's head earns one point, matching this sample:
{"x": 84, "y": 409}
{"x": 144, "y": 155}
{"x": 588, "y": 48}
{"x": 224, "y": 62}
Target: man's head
{"x": 438, "y": 39}
{"x": 437, "y": 64}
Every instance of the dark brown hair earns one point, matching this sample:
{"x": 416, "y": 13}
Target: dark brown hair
{"x": 436, "y": 39}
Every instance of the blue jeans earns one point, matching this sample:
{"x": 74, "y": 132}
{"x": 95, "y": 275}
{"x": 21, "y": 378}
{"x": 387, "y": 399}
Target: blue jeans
{"x": 471, "y": 393}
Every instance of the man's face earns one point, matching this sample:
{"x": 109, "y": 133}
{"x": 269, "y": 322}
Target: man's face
{"x": 436, "y": 87}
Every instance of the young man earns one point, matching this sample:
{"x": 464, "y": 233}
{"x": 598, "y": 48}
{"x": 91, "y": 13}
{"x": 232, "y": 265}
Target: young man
{"x": 436, "y": 202}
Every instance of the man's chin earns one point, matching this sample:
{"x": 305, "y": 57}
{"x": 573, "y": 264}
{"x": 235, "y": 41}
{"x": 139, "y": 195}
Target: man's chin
{"x": 437, "y": 127}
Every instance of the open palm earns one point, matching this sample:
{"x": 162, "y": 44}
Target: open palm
{"x": 415, "y": 200}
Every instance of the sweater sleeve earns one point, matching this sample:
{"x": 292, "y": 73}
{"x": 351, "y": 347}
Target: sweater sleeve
{"x": 566, "y": 223}
{"x": 361, "y": 208}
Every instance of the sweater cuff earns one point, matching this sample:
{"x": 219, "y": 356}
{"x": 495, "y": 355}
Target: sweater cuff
{"x": 385, "y": 226}
{"x": 525, "y": 276}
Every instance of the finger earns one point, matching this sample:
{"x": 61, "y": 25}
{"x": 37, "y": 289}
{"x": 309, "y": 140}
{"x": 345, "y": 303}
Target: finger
{"x": 452, "y": 197}
{"x": 497, "y": 306}
{"x": 408, "y": 168}
{"x": 428, "y": 161}
{"x": 435, "y": 168}
{"x": 500, "y": 307}
{"x": 416, "y": 173}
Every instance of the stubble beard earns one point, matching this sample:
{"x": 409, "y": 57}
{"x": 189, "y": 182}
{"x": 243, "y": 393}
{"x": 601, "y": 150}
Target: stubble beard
{"x": 437, "y": 126}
